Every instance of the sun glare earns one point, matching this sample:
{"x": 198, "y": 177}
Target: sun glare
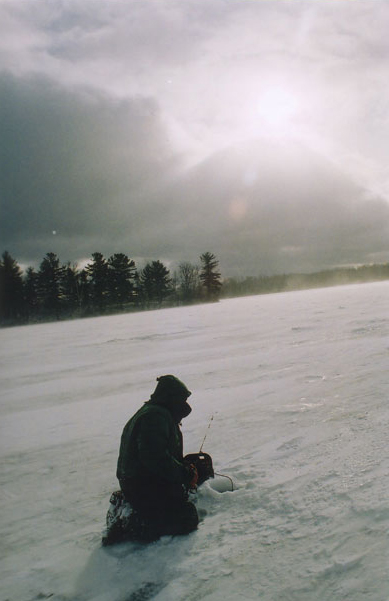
{"x": 276, "y": 107}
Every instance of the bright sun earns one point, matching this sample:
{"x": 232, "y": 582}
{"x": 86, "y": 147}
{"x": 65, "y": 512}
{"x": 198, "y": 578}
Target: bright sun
{"x": 276, "y": 107}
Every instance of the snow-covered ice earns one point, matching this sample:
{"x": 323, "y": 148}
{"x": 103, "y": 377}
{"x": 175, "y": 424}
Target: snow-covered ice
{"x": 298, "y": 387}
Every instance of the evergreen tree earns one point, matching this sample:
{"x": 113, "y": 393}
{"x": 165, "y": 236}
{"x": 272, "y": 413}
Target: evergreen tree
{"x": 50, "y": 293}
{"x": 84, "y": 292}
{"x": 156, "y": 282}
{"x": 209, "y": 276}
{"x": 71, "y": 288}
{"x": 121, "y": 273}
{"x": 11, "y": 289}
{"x": 30, "y": 286}
{"x": 98, "y": 279}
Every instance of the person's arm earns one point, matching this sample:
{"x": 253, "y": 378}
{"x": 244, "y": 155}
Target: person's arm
{"x": 153, "y": 449}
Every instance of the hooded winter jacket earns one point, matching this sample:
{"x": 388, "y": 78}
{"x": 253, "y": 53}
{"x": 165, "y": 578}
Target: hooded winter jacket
{"x": 151, "y": 446}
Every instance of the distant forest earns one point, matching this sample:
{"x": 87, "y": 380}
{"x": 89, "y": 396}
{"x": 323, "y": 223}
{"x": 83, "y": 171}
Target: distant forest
{"x": 301, "y": 281}
{"x": 103, "y": 286}
{"x": 106, "y": 286}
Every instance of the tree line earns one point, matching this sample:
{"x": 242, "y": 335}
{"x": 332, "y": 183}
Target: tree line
{"x": 300, "y": 281}
{"x": 115, "y": 284}
{"x": 62, "y": 291}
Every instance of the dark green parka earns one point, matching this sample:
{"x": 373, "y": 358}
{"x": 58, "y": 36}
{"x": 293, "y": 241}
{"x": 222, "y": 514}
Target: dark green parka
{"x": 151, "y": 443}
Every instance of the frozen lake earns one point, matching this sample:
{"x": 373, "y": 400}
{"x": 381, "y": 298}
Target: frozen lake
{"x": 298, "y": 387}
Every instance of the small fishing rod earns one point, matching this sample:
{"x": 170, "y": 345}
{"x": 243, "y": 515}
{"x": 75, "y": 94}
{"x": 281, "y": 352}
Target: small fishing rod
{"x": 201, "y": 448}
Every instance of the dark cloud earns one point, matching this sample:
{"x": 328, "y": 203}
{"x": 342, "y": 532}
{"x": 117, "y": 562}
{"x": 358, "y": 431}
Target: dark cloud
{"x": 81, "y": 165}
{"x": 104, "y": 105}
{"x": 102, "y": 175}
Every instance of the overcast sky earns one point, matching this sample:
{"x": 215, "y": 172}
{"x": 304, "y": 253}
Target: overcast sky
{"x": 254, "y": 129}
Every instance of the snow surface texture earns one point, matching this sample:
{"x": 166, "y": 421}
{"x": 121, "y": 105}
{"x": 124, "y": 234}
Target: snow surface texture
{"x": 298, "y": 386}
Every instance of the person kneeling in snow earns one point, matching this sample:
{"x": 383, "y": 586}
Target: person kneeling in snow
{"x": 151, "y": 470}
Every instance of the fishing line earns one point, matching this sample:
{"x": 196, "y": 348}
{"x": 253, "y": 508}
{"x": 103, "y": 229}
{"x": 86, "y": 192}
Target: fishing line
{"x": 230, "y": 479}
{"x": 209, "y": 425}
{"x": 201, "y": 448}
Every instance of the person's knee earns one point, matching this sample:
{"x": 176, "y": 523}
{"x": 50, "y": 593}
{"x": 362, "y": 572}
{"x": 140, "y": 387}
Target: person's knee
{"x": 180, "y": 520}
{"x": 190, "y": 518}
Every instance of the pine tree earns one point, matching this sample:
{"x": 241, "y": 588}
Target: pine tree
{"x": 210, "y": 278}
{"x": 84, "y": 292}
{"x": 156, "y": 282}
{"x": 11, "y": 289}
{"x": 121, "y": 273}
{"x": 98, "y": 279}
{"x": 30, "y": 286}
{"x": 71, "y": 288}
{"x": 50, "y": 291}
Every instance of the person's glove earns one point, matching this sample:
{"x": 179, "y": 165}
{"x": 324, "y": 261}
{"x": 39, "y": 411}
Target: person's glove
{"x": 194, "y": 477}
